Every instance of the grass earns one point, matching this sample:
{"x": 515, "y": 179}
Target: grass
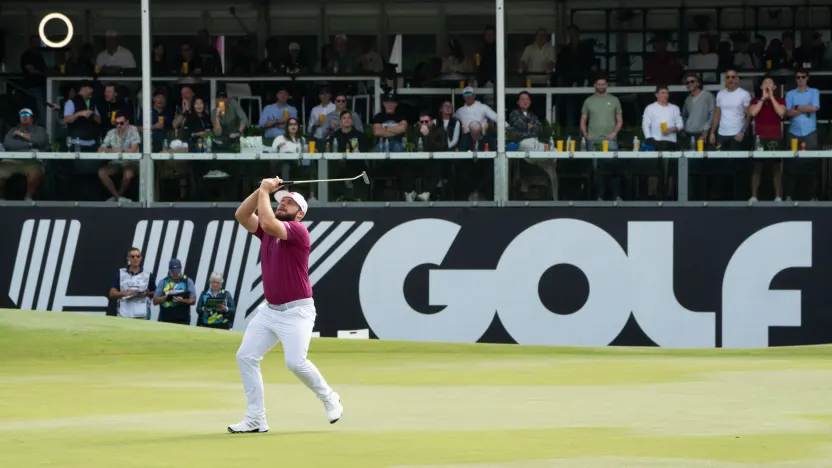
{"x": 89, "y": 391}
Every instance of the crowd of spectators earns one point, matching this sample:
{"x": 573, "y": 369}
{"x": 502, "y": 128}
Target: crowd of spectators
{"x": 102, "y": 115}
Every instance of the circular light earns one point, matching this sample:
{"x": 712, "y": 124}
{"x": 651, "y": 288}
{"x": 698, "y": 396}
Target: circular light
{"x": 69, "y": 30}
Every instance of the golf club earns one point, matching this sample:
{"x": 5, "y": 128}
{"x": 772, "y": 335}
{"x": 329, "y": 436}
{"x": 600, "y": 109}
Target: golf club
{"x": 363, "y": 175}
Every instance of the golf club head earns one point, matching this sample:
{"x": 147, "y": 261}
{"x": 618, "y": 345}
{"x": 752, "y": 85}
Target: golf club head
{"x": 365, "y": 178}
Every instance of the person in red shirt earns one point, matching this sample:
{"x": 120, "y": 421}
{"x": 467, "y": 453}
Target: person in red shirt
{"x": 768, "y": 112}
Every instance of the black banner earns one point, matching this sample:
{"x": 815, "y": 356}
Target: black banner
{"x": 671, "y": 277}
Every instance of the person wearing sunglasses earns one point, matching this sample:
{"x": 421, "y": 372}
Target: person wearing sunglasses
{"x": 698, "y": 110}
{"x": 124, "y": 138}
{"x": 731, "y": 118}
{"x": 133, "y": 287}
{"x": 332, "y": 121}
{"x": 25, "y": 137}
{"x": 802, "y": 106}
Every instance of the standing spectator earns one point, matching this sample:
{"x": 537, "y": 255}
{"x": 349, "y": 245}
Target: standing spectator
{"x": 698, "y": 109}
{"x": 175, "y": 294}
{"x": 208, "y": 54}
{"x": 704, "y": 61}
{"x": 602, "y": 119}
{"x": 274, "y": 116}
{"x": 332, "y": 121}
{"x": 802, "y": 106}
{"x": 662, "y": 121}
{"x": 293, "y": 63}
{"x": 487, "y": 69}
{"x": 122, "y": 139}
{"x": 731, "y": 118}
{"x": 450, "y": 123}
{"x": 112, "y": 105}
{"x": 576, "y": 60}
{"x": 229, "y": 122}
{"x": 389, "y": 126}
{"x": 344, "y": 60}
{"x": 189, "y": 63}
{"x": 456, "y": 62}
{"x": 768, "y": 112}
{"x": 319, "y": 113}
{"x": 661, "y": 66}
{"x": 474, "y": 111}
{"x": 434, "y": 139}
{"x": 160, "y": 63}
{"x": 115, "y": 59}
{"x": 215, "y": 308}
{"x": 25, "y": 137}
{"x": 133, "y": 287}
{"x": 538, "y": 58}
{"x": 33, "y": 67}
{"x": 83, "y": 120}
{"x": 524, "y": 127}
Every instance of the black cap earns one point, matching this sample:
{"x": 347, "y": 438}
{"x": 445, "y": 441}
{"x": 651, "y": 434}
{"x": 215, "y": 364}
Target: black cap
{"x": 388, "y": 98}
{"x": 86, "y": 84}
{"x": 222, "y": 94}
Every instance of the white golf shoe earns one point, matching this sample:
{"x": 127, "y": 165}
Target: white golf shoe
{"x": 249, "y": 425}
{"x": 334, "y": 408}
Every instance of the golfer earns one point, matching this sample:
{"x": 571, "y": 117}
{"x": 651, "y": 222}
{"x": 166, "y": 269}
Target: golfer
{"x": 289, "y": 312}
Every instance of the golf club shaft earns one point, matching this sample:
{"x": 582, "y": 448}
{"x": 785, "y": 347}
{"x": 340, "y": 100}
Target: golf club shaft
{"x": 286, "y": 182}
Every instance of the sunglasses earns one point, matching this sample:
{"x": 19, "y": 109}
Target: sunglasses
{"x": 424, "y": 121}
{"x": 120, "y": 122}
{"x": 801, "y": 77}
{"x": 25, "y": 114}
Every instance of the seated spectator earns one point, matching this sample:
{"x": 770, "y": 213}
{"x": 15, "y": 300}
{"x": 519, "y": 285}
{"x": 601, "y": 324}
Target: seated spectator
{"x": 122, "y": 139}
{"x": 768, "y": 112}
{"x": 332, "y": 121}
{"x": 456, "y": 62}
{"x": 161, "y": 65}
{"x": 183, "y": 109}
{"x": 347, "y": 138}
{"x": 215, "y": 308}
{"x": 434, "y": 138}
{"x": 524, "y": 128}
{"x": 474, "y": 110}
{"x": 197, "y": 124}
{"x": 451, "y": 125}
{"x": 389, "y": 127}
{"x": 479, "y": 172}
{"x": 319, "y": 113}
{"x": 345, "y": 61}
{"x": 477, "y": 140}
{"x": 293, "y": 63}
{"x": 229, "y": 122}
{"x": 274, "y": 116}
{"x": 26, "y": 136}
{"x": 189, "y": 63}
{"x": 292, "y": 141}
{"x": 115, "y": 59}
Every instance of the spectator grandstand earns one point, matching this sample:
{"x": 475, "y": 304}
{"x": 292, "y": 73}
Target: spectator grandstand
{"x": 228, "y": 83}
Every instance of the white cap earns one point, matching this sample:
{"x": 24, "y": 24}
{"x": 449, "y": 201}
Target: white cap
{"x": 298, "y": 198}
{"x": 294, "y": 46}
{"x": 467, "y": 90}
{"x": 26, "y": 110}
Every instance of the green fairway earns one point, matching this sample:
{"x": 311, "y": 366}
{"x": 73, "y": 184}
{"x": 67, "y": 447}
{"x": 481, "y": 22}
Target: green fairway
{"x": 90, "y": 391}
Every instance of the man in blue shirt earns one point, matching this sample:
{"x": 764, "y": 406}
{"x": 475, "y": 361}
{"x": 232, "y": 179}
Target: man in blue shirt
{"x": 274, "y": 116}
{"x": 802, "y": 105}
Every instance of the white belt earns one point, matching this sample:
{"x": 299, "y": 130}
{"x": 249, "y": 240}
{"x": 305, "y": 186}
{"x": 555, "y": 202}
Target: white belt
{"x": 289, "y": 305}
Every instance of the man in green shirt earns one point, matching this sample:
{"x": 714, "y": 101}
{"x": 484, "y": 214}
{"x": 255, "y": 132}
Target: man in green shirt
{"x": 601, "y": 120}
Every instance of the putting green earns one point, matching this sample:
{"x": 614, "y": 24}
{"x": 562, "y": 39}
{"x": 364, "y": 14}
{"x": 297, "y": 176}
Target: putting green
{"x": 89, "y": 391}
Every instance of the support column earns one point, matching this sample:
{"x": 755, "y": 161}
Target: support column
{"x": 501, "y": 166}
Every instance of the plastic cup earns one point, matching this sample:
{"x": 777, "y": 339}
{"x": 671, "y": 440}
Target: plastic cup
{"x": 605, "y": 146}
{"x": 700, "y": 145}
{"x": 794, "y": 144}
{"x": 560, "y": 146}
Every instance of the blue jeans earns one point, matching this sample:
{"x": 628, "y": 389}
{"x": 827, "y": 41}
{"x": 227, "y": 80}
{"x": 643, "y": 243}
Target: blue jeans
{"x": 606, "y": 169}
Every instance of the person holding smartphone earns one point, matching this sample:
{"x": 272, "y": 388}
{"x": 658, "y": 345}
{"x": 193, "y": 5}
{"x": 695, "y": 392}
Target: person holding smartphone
{"x": 175, "y": 294}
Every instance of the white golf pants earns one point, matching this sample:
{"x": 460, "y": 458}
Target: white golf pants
{"x": 293, "y": 327}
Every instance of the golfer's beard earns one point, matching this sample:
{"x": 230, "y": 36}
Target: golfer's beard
{"x": 285, "y": 216}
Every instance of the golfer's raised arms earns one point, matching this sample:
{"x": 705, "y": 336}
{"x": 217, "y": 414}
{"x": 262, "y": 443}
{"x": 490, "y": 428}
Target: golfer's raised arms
{"x": 245, "y": 213}
{"x": 268, "y": 220}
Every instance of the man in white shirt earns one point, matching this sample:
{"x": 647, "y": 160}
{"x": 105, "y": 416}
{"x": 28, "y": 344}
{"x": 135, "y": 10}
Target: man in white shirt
{"x": 538, "y": 57}
{"x": 115, "y": 58}
{"x": 474, "y": 110}
{"x": 662, "y": 121}
{"x": 319, "y": 113}
{"x": 731, "y": 118}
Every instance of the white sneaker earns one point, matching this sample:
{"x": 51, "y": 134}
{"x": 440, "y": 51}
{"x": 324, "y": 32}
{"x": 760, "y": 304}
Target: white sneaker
{"x": 216, "y": 174}
{"x": 334, "y": 408}
{"x": 778, "y": 199}
{"x": 752, "y": 200}
{"x": 424, "y": 196}
{"x": 409, "y": 196}
{"x": 125, "y": 200}
{"x": 112, "y": 199}
{"x": 249, "y": 425}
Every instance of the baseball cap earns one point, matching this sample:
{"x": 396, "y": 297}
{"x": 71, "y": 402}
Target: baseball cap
{"x": 467, "y": 90}
{"x": 294, "y": 46}
{"x": 298, "y": 198}
{"x": 222, "y": 94}
{"x": 388, "y": 98}
{"x": 26, "y": 112}
{"x": 175, "y": 266}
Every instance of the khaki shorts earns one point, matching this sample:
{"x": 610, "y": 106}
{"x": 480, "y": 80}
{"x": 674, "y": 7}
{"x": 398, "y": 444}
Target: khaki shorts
{"x": 10, "y": 167}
